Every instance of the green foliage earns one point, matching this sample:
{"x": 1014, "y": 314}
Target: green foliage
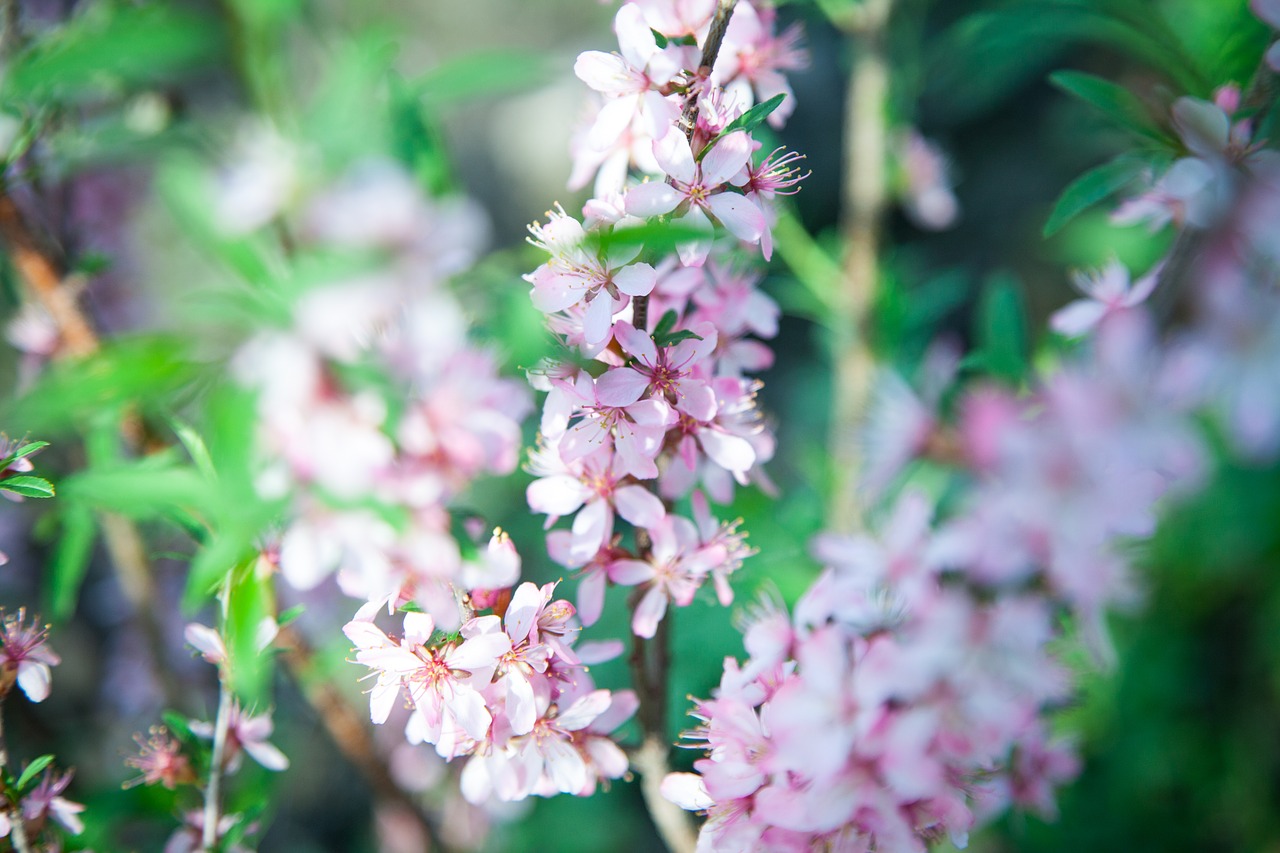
{"x": 1115, "y": 102}
{"x": 1094, "y": 186}
{"x": 70, "y": 559}
{"x": 27, "y": 486}
{"x": 1003, "y": 349}
{"x": 747, "y": 122}
{"x": 108, "y": 47}
{"x": 30, "y": 771}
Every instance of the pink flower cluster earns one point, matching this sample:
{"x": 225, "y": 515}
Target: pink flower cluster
{"x": 910, "y": 693}
{"x": 642, "y": 89}
{"x": 663, "y": 406}
{"x": 374, "y": 409}
{"x": 508, "y": 691}
{"x": 906, "y": 697}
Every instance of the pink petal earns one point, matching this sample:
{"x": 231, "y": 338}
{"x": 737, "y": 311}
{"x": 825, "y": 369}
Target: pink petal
{"x": 267, "y": 755}
{"x": 738, "y": 214}
{"x": 565, "y": 766}
{"x": 654, "y": 198}
{"x": 468, "y": 708}
{"x": 728, "y": 451}
{"x": 637, "y": 343}
{"x": 725, "y": 159}
{"x": 621, "y": 386}
{"x": 1077, "y": 318}
{"x": 599, "y": 651}
{"x": 638, "y": 505}
{"x": 675, "y": 156}
{"x": 522, "y": 612}
{"x": 597, "y": 319}
{"x": 636, "y": 280}
{"x": 687, "y": 791}
{"x": 650, "y": 612}
{"x": 558, "y": 494}
{"x": 607, "y": 73}
{"x": 581, "y": 713}
{"x": 630, "y": 572}
{"x": 590, "y": 600}
{"x": 521, "y": 708}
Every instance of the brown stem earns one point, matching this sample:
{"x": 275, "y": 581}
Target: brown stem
{"x": 689, "y": 116}
{"x": 347, "y": 729}
{"x": 865, "y": 203}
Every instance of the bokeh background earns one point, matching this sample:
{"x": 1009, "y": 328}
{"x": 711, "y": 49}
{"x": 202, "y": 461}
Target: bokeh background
{"x": 1181, "y": 739}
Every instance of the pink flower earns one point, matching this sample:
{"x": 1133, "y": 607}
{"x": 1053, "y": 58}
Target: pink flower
{"x": 634, "y": 430}
{"x": 245, "y": 733}
{"x": 161, "y": 760}
{"x": 46, "y": 800}
{"x": 594, "y": 487}
{"x": 668, "y": 373}
{"x": 577, "y": 274}
{"x": 25, "y": 658}
{"x": 1106, "y": 293}
{"x": 700, "y": 189}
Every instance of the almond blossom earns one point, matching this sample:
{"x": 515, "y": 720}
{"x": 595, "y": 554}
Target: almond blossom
{"x": 25, "y": 657}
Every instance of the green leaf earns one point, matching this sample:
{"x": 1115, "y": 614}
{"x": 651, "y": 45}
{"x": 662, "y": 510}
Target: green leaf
{"x": 666, "y": 324}
{"x": 144, "y": 489}
{"x": 291, "y": 615}
{"x": 673, "y": 338}
{"x": 1114, "y": 101}
{"x": 195, "y": 446}
{"x": 30, "y": 771}
{"x": 747, "y": 122}
{"x": 28, "y": 486}
{"x": 655, "y": 235}
{"x": 109, "y": 46}
{"x": 70, "y": 559}
{"x": 483, "y": 74}
{"x": 1092, "y": 187}
{"x": 179, "y": 726}
{"x": 1002, "y": 331}
{"x": 211, "y": 566}
{"x": 22, "y": 452}
{"x": 251, "y": 601}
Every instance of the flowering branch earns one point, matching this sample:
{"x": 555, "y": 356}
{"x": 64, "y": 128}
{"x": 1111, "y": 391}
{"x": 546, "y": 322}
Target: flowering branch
{"x": 865, "y": 203}
{"x": 348, "y": 731}
{"x": 17, "y": 832}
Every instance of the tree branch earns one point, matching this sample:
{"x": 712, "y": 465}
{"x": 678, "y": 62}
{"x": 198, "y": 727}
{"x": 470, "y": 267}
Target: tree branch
{"x": 865, "y": 202}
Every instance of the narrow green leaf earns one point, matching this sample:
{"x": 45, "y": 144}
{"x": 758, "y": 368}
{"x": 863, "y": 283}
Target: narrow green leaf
{"x": 211, "y": 565}
{"x": 747, "y": 122}
{"x": 195, "y": 446}
{"x": 1114, "y": 101}
{"x": 483, "y": 74}
{"x": 1002, "y": 330}
{"x": 29, "y": 773}
{"x": 665, "y": 325}
{"x": 22, "y": 452}
{"x": 27, "y": 486}
{"x": 70, "y": 559}
{"x": 673, "y": 338}
{"x": 291, "y": 615}
{"x": 178, "y": 725}
{"x": 1092, "y": 187}
{"x": 251, "y": 602}
{"x": 141, "y": 490}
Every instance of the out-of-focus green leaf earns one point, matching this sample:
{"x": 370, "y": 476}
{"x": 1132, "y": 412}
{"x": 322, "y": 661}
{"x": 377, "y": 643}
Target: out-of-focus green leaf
{"x": 988, "y": 56}
{"x": 27, "y": 486}
{"x": 259, "y": 14}
{"x": 110, "y": 46}
{"x": 658, "y": 237}
{"x": 483, "y": 74}
{"x": 348, "y": 121}
{"x": 817, "y": 270}
{"x": 143, "y": 489}
{"x": 1115, "y": 102}
{"x": 31, "y": 770}
{"x": 70, "y": 559}
{"x": 1094, "y": 186}
{"x": 195, "y": 446}
{"x": 250, "y": 605}
{"x": 1002, "y": 332}
{"x": 211, "y": 565}
{"x": 136, "y": 371}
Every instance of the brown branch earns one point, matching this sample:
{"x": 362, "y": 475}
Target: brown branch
{"x": 862, "y": 226}
{"x": 689, "y": 116}
{"x": 347, "y": 729}
{"x": 44, "y": 280}
{"x": 650, "y": 662}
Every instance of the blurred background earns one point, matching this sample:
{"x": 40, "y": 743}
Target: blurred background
{"x": 1181, "y": 740}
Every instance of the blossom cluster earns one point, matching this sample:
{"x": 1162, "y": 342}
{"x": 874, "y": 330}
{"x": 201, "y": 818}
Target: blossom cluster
{"x": 374, "y": 409}
{"x": 25, "y": 661}
{"x": 654, "y": 400}
{"x": 507, "y": 690}
{"x": 909, "y": 695}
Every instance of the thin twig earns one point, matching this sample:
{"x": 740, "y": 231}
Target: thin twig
{"x": 213, "y": 790}
{"x": 346, "y": 727}
{"x": 865, "y": 203}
